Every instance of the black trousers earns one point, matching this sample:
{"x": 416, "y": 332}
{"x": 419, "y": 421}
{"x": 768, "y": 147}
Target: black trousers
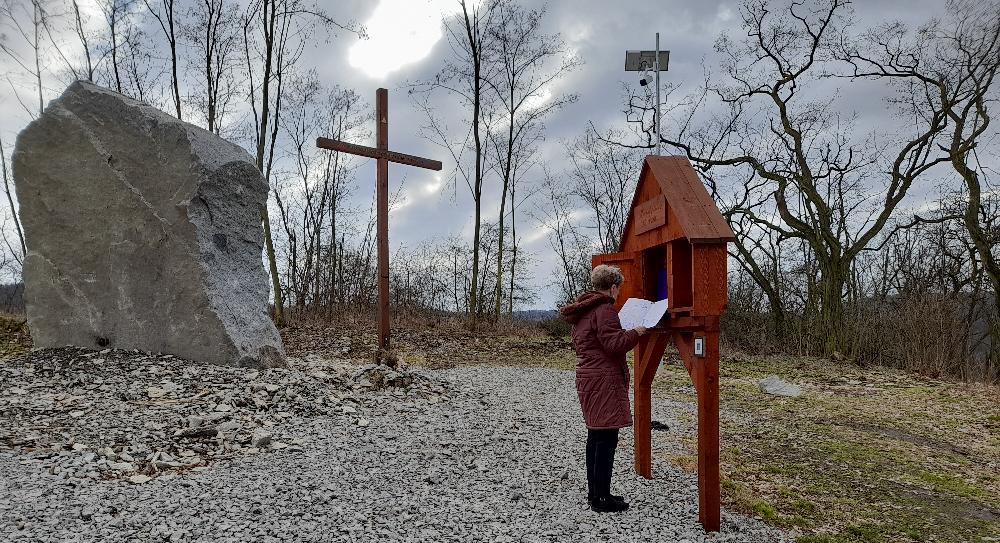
{"x": 601, "y": 445}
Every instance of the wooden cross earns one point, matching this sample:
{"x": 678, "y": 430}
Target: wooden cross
{"x": 383, "y": 157}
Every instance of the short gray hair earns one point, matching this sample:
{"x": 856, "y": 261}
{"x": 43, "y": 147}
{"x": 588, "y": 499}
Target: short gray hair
{"x": 604, "y": 277}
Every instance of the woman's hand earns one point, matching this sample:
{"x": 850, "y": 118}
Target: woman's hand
{"x": 641, "y": 330}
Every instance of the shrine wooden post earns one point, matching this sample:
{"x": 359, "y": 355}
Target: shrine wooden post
{"x": 383, "y": 157}
{"x": 674, "y": 243}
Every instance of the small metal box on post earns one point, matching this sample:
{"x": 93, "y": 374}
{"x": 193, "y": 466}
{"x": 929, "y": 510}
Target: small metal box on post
{"x": 674, "y": 247}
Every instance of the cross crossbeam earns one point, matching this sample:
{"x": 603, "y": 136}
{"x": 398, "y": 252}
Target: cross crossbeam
{"x": 372, "y": 152}
{"x": 383, "y": 157}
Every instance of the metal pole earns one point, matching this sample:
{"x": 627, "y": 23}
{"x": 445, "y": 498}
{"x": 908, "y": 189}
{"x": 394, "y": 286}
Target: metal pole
{"x": 656, "y": 112}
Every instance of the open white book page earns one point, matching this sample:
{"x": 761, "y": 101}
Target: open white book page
{"x": 638, "y": 312}
{"x": 655, "y": 313}
{"x": 632, "y": 312}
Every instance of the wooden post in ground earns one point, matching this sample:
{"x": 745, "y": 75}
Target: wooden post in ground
{"x": 382, "y": 205}
{"x": 648, "y": 353}
{"x": 704, "y": 372}
{"x": 709, "y": 485}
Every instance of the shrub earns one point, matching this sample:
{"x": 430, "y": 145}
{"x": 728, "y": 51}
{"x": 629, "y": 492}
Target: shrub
{"x": 555, "y": 327}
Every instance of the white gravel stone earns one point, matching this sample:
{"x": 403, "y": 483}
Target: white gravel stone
{"x": 260, "y": 439}
{"x": 404, "y": 478}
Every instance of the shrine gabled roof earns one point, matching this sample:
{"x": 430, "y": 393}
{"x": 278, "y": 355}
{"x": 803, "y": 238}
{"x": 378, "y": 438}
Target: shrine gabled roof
{"x": 692, "y": 206}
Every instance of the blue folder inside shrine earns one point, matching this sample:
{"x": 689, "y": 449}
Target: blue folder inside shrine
{"x": 661, "y": 285}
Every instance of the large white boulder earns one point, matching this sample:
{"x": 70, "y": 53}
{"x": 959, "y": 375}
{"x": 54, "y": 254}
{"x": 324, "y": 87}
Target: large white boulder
{"x": 143, "y": 232}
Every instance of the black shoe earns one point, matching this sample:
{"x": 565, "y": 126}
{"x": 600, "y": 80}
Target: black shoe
{"x": 619, "y": 499}
{"x": 608, "y": 505}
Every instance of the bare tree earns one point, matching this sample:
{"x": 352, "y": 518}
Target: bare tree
{"x": 166, "y": 15}
{"x": 313, "y": 203}
{"x": 605, "y": 177}
{"x": 296, "y": 124}
{"x": 275, "y": 34}
{"x": 213, "y": 30}
{"x": 475, "y": 21}
{"x": 81, "y": 34}
{"x": 27, "y": 22}
{"x": 116, "y": 13}
{"x": 556, "y": 212}
{"x": 273, "y": 21}
{"x": 139, "y": 71}
{"x": 757, "y": 248}
{"x": 949, "y": 68}
{"x": 966, "y": 75}
{"x": 819, "y": 174}
{"x": 18, "y": 256}
{"x": 464, "y": 77}
{"x": 345, "y": 121}
{"x": 528, "y": 63}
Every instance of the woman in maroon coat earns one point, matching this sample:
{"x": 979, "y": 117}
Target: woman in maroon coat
{"x": 602, "y": 379}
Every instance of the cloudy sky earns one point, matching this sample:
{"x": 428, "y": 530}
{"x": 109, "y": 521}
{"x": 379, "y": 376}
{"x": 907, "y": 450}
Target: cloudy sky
{"x": 405, "y": 43}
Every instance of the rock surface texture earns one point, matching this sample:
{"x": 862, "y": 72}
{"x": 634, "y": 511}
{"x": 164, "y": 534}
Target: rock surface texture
{"x": 143, "y": 232}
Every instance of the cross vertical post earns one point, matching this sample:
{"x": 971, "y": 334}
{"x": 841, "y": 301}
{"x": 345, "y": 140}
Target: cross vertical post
{"x": 382, "y": 182}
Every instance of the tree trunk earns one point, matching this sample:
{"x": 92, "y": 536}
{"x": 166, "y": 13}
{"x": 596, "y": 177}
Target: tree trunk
{"x": 513, "y": 252}
{"x": 333, "y": 255}
{"x": 114, "y": 45}
{"x": 474, "y": 45}
{"x": 474, "y": 288}
{"x": 831, "y": 301}
{"x": 268, "y": 22}
{"x": 173, "y": 70}
{"x": 38, "y": 60}
{"x": 994, "y": 365}
{"x": 507, "y": 167}
{"x": 10, "y": 200}
{"x": 209, "y": 80}
{"x": 83, "y": 40}
{"x": 498, "y": 294}
{"x": 169, "y": 27}
{"x": 990, "y": 265}
{"x": 279, "y": 314}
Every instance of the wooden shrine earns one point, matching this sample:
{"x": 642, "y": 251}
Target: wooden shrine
{"x": 674, "y": 247}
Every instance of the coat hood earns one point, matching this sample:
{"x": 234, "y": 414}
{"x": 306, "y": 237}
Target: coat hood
{"x": 584, "y": 303}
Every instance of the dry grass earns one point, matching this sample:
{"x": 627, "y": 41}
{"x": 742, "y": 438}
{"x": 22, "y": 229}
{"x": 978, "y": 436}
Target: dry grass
{"x": 431, "y": 342}
{"x": 865, "y": 455}
{"x": 14, "y": 336}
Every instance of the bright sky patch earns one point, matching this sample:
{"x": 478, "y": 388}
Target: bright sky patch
{"x": 400, "y": 33}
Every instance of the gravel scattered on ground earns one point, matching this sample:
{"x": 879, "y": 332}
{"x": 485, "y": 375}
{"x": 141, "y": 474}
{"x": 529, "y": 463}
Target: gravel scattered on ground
{"x": 468, "y": 454}
{"x": 120, "y": 413}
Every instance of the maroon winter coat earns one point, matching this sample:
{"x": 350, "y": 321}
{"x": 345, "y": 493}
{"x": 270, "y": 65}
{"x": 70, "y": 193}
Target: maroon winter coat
{"x": 602, "y": 375}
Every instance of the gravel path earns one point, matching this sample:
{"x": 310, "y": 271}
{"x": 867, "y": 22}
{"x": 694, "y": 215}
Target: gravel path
{"x": 500, "y": 459}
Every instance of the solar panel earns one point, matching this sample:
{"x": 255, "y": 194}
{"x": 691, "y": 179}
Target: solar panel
{"x": 637, "y": 61}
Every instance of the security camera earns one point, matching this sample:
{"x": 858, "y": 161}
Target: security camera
{"x": 646, "y": 78}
